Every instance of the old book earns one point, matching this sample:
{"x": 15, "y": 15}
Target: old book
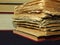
{"x": 29, "y": 36}
{"x": 29, "y": 6}
{"x": 34, "y": 34}
{"x": 38, "y": 32}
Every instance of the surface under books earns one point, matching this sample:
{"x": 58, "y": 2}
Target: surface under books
{"x": 8, "y": 38}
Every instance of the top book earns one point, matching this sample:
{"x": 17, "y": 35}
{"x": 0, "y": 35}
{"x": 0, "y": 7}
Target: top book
{"x": 35, "y": 6}
{"x": 46, "y": 6}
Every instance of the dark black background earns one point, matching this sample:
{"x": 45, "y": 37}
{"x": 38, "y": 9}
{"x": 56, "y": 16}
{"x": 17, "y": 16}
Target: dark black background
{"x": 8, "y": 38}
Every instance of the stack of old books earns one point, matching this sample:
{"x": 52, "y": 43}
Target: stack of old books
{"x": 34, "y": 24}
